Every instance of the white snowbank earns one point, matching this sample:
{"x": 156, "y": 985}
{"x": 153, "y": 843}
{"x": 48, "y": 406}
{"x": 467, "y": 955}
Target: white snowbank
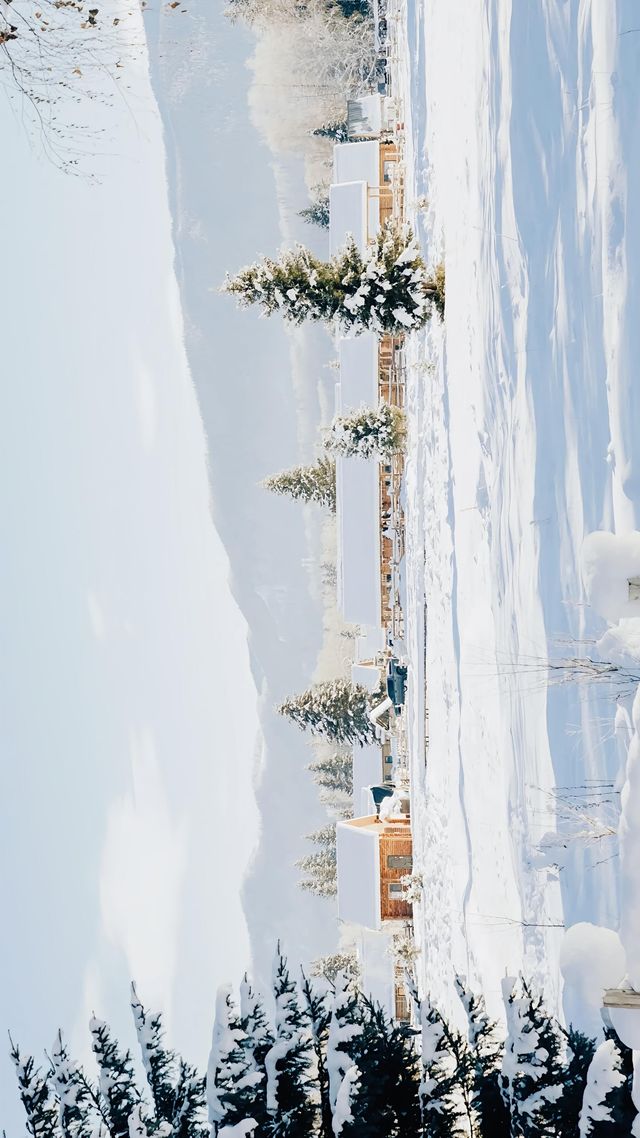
{"x": 621, "y": 644}
{"x": 591, "y": 959}
{"x": 609, "y": 561}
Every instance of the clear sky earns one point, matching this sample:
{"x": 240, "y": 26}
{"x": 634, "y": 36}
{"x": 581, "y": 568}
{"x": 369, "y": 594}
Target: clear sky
{"x": 127, "y": 708}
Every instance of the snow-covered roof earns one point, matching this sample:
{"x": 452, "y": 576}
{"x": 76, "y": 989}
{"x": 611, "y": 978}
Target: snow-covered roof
{"x": 348, "y": 216}
{"x": 369, "y": 676}
{"x": 367, "y": 771}
{"x": 358, "y": 372}
{"x": 376, "y": 968}
{"x": 369, "y": 642}
{"x": 358, "y": 875}
{"x": 357, "y": 162}
{"x": 364, "y": 116}
{"x": 360, "y": 162}
{"x": 358, "y": 545}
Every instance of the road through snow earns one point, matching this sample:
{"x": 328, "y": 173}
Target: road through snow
{"x": 523, "y": 161}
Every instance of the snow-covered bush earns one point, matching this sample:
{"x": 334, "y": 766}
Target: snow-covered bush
{"x": 412, "y": 887}
{"x": 346, "y": 963}
{"x": 386, "y": 290}
{"x": 404, "y": 950}
{"x": 368, "y": 432}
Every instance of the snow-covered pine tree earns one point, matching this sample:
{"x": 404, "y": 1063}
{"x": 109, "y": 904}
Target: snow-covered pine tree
{"x": 445, "y": 1089}
{"x": 335, "y": 129}
{"x": 380, "y": 1091}
{"x": 116, "y": 1079}
{"x": 231, "y": 1080}
{"x": 36, "y": 1095}
{"x": 314, "y": 483}
{"x": 292, "y": 1099}
{"x": 580, "y": 1050}
{"x": 607, "y": 1107}
{"x": 258, "y": 1037}
{"x": 368, "y": 432}
{"x": 321, "y": 867}
{"x": 336, "y": 709}
{"x": 533, "y": 1065}
{"x": 386, "y": 290}
{"x": 335, "y": 772}
{"x": 485, "y": 1053}
{"x": 79, "y": 1113}
{"x": 317, "y": 1011}
{"x": 345, "y": 1026}
{"x": 177, "y": 1090}
{"x": 317, "y": 212}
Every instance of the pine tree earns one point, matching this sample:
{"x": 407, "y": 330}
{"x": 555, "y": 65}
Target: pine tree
{"x": 288, "y": 1062}
{"x": 386, "y": 290}
{"x": 334, "y": 772}
{"x": 258, "y": 1040}
{"x": 335, "y": 129}
{"x": 177, "y": 1090}
{"x": 533, "y": 1066}
{"x": 317, "y": 1012}
{"x": 580, "y": 1052}
{"x": 379, "y": 1093}
{"x": 444, "y": 1090}
{"x": 368, "y": 432}
{"x": 607, "y": 1107}
{"x": 345, "y": 1026}
{"x": 336, "y": 709}
{"x": 227, "y": 1098}
{"x": 315, "y": 483}
{"x": 317, "y": 213}
{"x": 116, "y": 1078}
{"x": 36, "y": 1095}
{"x": 79, "y": 1116}
{"x": 485, "y": 1053}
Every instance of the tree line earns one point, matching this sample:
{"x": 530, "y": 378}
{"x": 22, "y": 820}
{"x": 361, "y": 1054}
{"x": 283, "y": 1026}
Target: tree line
{"x": 324, "y": 1061}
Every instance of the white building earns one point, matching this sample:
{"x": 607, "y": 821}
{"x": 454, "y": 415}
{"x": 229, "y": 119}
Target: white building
{"x": 358, "y": 492}
{"x": 369, "y": 116}
{"x": 354, "y": 196}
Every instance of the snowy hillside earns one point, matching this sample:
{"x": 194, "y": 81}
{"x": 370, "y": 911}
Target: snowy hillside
{"x": 524, "y": 161}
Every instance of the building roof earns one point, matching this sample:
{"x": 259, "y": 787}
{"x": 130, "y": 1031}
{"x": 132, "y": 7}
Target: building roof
{"x": 365, "y": 116}
{"x": 358, "y": 358}
{"x": 358, "y": 873}
{"x": 360, "y": 162}
{"x": 367, "y": 771}
{"x": 358, "y": 545}
{"x": 348, "y": 216}
{"x": 377, "y": 968}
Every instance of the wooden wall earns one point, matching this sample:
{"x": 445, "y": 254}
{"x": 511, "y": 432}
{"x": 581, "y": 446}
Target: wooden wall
{"x": 394, "y": 841}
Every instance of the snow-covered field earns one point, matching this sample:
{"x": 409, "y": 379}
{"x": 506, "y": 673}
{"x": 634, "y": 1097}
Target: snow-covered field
{"x": 523, "y": 155}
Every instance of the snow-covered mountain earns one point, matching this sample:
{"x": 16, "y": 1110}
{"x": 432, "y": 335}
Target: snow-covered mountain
{"x": 262, "y": 393}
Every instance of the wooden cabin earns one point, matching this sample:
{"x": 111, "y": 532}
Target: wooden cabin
{"x": 373, "y": 857}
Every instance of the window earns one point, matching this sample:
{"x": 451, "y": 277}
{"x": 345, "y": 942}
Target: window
{"x": 395, "y": 890}
{"x": 399, "y": 861}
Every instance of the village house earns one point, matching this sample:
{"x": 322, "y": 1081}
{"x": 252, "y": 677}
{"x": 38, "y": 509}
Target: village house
{"x": 373, "y": 856}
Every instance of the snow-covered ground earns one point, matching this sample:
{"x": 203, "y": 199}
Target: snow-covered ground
{"x": 523, "y": 159}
